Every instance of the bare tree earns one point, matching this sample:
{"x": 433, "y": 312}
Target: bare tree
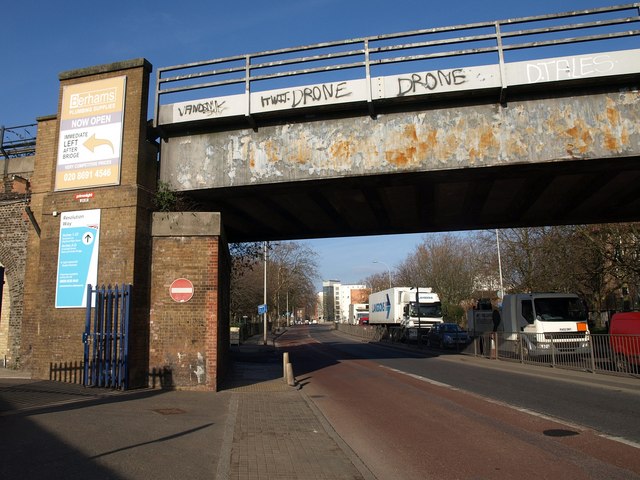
{"x": 246, "y": 282}
{"x": 609, "y": 255}
{"x": 537, "y": 259}
{"x": 448, "y": 264}
{"x": 379, "y": 281}
{"x": 595, "y": 261}
{"x": 488, "y": 266}
{"x": 291, "y": 272}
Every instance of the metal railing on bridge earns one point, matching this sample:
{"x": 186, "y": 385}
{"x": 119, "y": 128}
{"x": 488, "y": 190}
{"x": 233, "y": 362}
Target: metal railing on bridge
{"x": 492, "y": 42}
{"x": 17, "y": 141}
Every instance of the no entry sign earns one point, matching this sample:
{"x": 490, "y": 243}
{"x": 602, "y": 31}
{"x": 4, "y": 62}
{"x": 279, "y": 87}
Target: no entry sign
{"x": 181, "y": 290}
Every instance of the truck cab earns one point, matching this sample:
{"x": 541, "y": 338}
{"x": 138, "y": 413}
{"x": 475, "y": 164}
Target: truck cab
{"x": 423, "y": 311}
{"x": 546, "y": 321}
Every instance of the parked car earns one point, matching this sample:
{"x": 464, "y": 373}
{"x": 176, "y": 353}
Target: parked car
{"x": 624, "y": 340}
{"x": 447, "y": 335}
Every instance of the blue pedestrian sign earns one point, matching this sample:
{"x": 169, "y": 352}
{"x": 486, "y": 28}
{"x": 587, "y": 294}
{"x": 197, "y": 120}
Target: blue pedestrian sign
{"x": 262, "y": 309}
{"x": 77, "y": 257}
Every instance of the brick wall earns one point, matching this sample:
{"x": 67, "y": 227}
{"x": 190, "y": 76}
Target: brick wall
{"x": 54, "y": 336}
{"x": 360, "y": 295}
{"x": 14, "y": 226}
{"x": 183, "y": 345}
{"x": 188, "y": 339}
{"x": 5, "y": 307}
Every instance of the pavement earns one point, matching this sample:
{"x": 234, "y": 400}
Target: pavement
{"x": 256, "y": 427}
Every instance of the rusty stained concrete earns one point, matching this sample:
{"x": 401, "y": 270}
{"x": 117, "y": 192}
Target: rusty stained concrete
{"x": 542, "y": 130}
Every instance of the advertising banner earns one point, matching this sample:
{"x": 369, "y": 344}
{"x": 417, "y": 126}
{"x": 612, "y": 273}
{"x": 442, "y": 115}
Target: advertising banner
{"x": 77, "y": 257}
{"x": 90, "y": 142}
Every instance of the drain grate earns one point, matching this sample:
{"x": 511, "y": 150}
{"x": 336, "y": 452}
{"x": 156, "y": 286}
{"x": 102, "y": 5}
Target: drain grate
{"x": 169, "y": 411}
{"x": 560, "y": 433}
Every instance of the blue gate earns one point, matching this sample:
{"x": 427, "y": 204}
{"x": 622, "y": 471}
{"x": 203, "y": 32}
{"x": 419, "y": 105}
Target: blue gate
{"x": 106, "y": 337}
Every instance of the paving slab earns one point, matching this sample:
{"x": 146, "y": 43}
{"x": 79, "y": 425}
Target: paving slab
{"x": 256, "y": 427}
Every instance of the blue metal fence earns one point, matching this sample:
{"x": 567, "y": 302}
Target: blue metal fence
{"x": 106, "y": 337}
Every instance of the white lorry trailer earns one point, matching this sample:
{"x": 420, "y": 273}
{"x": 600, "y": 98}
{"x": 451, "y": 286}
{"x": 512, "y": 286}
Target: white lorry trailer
{"x": 407, "y": 308}
{"x": 536, "y": 324}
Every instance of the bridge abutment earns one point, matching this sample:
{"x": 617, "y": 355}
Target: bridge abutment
{"x": 189, "y": 339}
{"x": 94, "y": 160}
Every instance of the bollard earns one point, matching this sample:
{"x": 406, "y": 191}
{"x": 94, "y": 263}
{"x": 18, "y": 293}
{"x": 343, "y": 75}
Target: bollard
{"x": 290, "y": 380}
{"x": 494, "y": 351}
{"x": 285, "y": 361}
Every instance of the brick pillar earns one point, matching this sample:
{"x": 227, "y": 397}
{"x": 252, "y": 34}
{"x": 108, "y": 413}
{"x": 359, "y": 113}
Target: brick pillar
{"x": 189, "y": 341}
{"x": 53, "y": 336}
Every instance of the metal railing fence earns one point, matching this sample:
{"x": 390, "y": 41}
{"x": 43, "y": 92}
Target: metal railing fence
{"x": 367, "y": 332}
{"x": 366, "y": 54}
{"x": 597, "y": 353}
{"x": 17, "y": 141}
{"x": 106, "y": 336}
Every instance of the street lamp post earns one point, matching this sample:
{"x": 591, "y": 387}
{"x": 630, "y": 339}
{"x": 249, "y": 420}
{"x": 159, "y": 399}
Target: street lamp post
{"x": 418, "y": 339}
{"x": 501, "y": 295}
{"x": 264, "y": 314}
{"x": 388, "y": 270}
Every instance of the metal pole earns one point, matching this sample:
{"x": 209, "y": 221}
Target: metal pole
{"x": 264, "y": 314}
{"x": 4, "y": 154}
{"x": 388, "y": 270}
{"x": 418, "y": 310}
{"x": 499, "y": 265}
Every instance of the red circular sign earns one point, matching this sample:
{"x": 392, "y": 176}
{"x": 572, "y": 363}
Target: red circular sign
{"x": 181, "y": 290}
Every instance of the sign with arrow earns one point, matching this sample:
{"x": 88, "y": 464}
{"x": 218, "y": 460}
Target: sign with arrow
{"x": 77, "y": 257}
{"x": 90, "y": 142}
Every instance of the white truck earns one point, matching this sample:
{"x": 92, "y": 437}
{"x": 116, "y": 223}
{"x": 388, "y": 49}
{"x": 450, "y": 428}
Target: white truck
{"x": 358, "y": 313}
{"x": 536, "y": 324}
{"x": 408, "y": 308}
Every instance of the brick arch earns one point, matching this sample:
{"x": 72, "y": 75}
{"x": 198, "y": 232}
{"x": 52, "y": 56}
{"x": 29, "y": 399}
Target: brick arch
{"x": 13, "y": 238}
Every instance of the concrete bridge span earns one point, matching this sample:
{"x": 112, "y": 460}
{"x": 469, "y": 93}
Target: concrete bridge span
{"x": 536, "y": 161}
{"x": 540, "y": 141}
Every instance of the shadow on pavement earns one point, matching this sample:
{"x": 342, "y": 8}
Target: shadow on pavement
{"x": 55, "y": 430}
{"x": 255, "y": 366}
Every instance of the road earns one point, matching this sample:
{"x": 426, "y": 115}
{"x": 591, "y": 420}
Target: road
{"x": 415, "y": 416}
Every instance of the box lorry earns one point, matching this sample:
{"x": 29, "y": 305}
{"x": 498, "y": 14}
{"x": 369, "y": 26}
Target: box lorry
{"x": 358, "y": 314}
{"x": 536, "y": 324}
{"x": 624, "y": 341}
{"x": 480, "y": 318}
{"x": 409, "y": 308}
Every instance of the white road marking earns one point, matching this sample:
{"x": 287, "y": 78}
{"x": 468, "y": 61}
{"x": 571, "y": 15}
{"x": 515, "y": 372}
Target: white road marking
{"x": 430, "y": 381}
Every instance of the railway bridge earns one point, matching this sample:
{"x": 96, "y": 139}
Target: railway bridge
{"x": 497, "y": 124}
{"x": 521, "y": 122}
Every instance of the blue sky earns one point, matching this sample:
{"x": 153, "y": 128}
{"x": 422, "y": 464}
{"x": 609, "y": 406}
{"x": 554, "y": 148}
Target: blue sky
{"x": 41, "y": 39}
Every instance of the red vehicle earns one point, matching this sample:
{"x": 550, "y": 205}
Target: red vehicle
{"x": 624, "y": 340}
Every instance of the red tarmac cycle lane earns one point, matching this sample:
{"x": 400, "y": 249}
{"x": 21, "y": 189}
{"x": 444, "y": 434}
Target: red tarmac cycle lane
{"x": 405, "y": 427}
